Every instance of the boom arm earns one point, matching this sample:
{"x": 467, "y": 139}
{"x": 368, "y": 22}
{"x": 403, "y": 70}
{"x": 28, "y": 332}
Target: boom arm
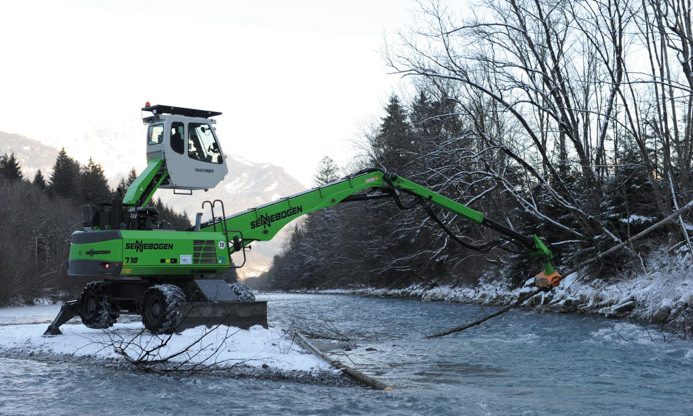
{"x": 140, "y": 192}
{"x": 263, "y": 223}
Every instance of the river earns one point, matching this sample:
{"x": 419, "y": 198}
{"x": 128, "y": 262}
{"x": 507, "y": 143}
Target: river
{"x": 522, "y": 363}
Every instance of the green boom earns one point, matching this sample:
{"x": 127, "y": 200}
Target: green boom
{"x": 207, "y": 249}
{"x": 263, "y": 223}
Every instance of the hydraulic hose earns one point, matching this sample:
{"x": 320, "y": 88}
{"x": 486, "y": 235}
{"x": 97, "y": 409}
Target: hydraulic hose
{"x": 483, "y": 248}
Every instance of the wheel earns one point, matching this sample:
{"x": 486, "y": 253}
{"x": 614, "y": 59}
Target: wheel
{"x": 243, "y": 292}
{"x": 161, "y": 308}
{"x": 94, "y": 306}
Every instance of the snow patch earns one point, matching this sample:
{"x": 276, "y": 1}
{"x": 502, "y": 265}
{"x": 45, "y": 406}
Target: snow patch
{"x": 221, "y": 348}
{"x": 638, "y": 219}
{"x": 272, "y": 187}
{"x": 241, "y": 160}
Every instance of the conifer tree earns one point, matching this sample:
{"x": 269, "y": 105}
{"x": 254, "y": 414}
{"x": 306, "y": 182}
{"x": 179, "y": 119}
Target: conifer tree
{"x": 328, "y": 171}
{"x": 40, "y": 180}
{"x": 393, "y": 145}
{"x": 65, "y": 177}
{"x": 9, "y": 167}
{"x": 125, "y": 183}
{"x": 170, "y": 218}
{"x": 132, "y": 176}
{"x": 95, "y": 187}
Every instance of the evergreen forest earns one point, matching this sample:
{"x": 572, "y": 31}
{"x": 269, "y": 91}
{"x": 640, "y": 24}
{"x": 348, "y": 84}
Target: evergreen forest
{"x": 37, "y": 219}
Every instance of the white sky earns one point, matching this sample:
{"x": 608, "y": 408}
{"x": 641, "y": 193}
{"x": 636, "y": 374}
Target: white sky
{"x": 295, "y": 80}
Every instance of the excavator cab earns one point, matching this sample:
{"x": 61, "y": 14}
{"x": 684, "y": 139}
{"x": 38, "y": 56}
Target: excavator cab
{"x": 185, "y": 139}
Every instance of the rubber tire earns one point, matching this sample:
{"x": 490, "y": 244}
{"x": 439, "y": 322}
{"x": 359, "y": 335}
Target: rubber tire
{"x": 94, "y": 306}
{"x": 244, "y": 293}
{"x": 161, "y": 308}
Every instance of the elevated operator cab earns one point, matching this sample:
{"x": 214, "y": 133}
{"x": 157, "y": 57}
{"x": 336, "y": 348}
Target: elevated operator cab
{"x": 185, "y": 139}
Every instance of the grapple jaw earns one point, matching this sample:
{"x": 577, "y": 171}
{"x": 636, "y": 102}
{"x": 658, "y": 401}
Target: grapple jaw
{"x": 546, "y": 281}
{"x": 548, "y": 278}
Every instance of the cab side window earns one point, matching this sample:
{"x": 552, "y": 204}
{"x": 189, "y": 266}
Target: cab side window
{"x": 155, "y": 134}
{"x": 177, "y": 143}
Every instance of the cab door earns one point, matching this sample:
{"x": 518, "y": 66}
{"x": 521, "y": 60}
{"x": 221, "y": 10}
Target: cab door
{"x": 193, "y": 155}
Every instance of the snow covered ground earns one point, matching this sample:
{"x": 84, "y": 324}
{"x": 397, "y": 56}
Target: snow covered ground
{"x": 196, "y": 348}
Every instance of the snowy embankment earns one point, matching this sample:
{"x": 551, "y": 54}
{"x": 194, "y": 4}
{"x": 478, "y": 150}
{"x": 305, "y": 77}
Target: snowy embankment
{"x": 257, "y": 352}
{"x": 662, "y": 292}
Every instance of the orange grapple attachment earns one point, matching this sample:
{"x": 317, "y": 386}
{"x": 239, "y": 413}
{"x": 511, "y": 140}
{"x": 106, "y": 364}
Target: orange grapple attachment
{"x": 547, "y": 281}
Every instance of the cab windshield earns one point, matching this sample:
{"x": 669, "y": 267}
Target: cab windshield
{"x": 202, "y": 144}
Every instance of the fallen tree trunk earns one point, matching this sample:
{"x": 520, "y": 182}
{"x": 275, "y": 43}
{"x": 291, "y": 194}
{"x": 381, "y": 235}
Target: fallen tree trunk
{"x": 353, "y": 373}
{"x": 518, "y": 302}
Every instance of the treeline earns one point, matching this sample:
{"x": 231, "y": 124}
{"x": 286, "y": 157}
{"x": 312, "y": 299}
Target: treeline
{"x": 37, "y": 218}
{"x": 570, "y": 119}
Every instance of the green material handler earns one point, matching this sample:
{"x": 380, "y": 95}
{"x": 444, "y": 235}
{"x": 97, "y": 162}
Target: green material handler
{"x": 172, "y": 278}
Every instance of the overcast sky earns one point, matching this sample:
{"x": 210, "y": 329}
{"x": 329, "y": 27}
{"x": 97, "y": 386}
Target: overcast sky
{"x": 295, "y": 80}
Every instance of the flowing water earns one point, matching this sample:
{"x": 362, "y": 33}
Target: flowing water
{"x": 522, "y": 363}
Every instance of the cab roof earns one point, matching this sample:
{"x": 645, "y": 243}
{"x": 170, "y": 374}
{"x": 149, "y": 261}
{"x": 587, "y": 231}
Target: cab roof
{"x": 188, "y": 112}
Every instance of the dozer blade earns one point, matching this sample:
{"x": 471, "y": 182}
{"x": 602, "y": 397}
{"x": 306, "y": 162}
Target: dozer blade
{"x": 223, "y": 307}
{"x": 239, "y": 314}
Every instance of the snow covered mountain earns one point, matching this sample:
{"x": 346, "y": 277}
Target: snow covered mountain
{"x": 247, "y": 184}
{"x": 32, "y": 154}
